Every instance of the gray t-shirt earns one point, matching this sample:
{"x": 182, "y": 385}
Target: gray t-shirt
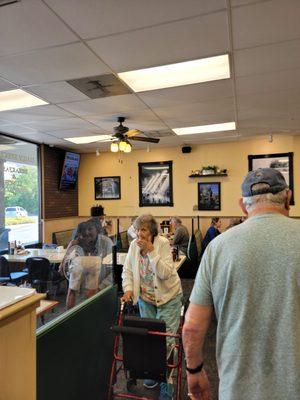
{"x": 181, "y": 238}
{"x": 251, "y": 274}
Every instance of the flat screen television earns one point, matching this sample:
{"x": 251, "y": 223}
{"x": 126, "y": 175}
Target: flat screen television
{"x": 69, "y": 175}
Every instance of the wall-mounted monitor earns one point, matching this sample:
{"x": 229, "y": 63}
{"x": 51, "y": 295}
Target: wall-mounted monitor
{"x": 69, "y": 175}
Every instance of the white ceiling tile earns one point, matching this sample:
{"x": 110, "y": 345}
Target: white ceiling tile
{"x": 59, "y": 124}
{"x": 198, "y": 113}
{"x": 15, "y": 129}
{"x": 4, "y": 85}
{"x": 57, "y": 92}
{"x": 29, "y": 25}
{"x": 270, "y": 82}
{"x": 188, "y": 94}
{"x": 251, "y": 25}
{"x": 266, "y": 59}
{"x": 115, "y": 104}
{"x": 170, "y": 43}
{"x": 44, "y": 138}
{"x": 53, "y": 64}
{"x": 244, "y": 2}
{"x": 144, "y": 120}
{"x": 30, "y": 114}
{"x": 106, "y": 17}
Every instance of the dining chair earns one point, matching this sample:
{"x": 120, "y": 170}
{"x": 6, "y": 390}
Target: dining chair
{"x": 6, "y": 276}
{"x": 42, "y": 276}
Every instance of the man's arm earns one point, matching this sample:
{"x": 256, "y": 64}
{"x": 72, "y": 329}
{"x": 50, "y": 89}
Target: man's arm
{"x": 197, "y": 321}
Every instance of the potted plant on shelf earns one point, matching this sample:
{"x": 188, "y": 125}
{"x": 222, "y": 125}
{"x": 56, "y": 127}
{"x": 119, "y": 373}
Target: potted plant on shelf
{"x": 209, "y": 170}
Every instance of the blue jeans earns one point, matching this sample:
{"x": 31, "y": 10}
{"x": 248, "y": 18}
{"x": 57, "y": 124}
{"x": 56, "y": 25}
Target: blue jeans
{"x": 168, "y": 312}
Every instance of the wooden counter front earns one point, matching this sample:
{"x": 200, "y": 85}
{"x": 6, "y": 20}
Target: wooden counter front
{"x": 18, "y": 349}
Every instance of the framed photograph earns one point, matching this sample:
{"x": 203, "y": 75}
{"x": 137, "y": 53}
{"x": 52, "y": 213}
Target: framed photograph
{"x": 156, "y": 184}
{"x": 108, "y": 188}
{"x": 283, "y": 162}
{"x": 209, "y": 196}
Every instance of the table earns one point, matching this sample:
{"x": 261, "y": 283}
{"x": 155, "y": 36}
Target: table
{"x": 121, "y": 260}
{"x": 45, "y": 306}
{"x": 52, "y": 255}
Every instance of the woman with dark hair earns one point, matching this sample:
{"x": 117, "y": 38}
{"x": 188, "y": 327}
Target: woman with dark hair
{"x": 212, "y": 232}
{"x": 150, "y": 278}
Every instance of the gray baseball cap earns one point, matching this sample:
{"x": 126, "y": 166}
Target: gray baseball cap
{"x": 271, "y": 176}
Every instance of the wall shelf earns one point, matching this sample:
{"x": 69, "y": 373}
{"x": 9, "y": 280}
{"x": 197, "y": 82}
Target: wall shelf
{"x": 206, "y": 176}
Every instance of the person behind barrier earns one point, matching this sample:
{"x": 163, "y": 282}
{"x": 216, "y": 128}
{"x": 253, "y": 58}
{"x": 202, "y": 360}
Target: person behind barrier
{"x": 212, "y": 232}
{"x": 181, "y": 235}
{"x": 89, "y": 242}
{"x": 150, "y": 278}
{"x": 250, "y": 275}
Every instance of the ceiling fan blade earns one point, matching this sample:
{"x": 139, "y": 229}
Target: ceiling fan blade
{"x": 145, "y": 139}
{"x": 132, "y": 132}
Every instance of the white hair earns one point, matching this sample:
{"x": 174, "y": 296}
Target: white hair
{"x": 176, "y": 220}
{"x": 276, "y": 200}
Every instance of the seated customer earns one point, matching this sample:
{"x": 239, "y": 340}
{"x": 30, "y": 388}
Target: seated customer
{"x": 212, "y": 232}
{"x": 150, "y": 278}
{"x": 181, "y": 235}
{"x": 88, "y": 243}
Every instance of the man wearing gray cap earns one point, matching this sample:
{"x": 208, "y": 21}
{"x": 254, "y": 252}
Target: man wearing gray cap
{"x": 250, "y": 276}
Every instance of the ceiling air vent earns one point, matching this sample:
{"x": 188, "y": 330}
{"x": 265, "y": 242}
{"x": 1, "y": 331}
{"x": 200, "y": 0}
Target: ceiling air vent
{"x": 96, "y": 87}
{"x": 8, "y": 2}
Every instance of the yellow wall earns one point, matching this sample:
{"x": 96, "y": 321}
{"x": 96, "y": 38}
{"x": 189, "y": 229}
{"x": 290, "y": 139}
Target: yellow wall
{"x": 232, "y": 155}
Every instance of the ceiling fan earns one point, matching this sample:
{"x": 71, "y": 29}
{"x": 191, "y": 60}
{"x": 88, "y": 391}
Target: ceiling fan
{"x": 122, "y": 137}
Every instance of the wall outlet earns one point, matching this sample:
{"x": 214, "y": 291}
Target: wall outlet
{"x": 195, "y": 208}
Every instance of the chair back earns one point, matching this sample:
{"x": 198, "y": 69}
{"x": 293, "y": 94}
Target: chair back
{"x": 145, "y": 355}
{"x": 39, "y": 269}
{"x": 124, "y": 241}
{"x": 198, "y": 240}
{"x": 47, "y": 246}
{"x": 4, "y": 268}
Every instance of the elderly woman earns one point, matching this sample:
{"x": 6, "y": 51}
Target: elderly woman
{"x": 150, "y": 278}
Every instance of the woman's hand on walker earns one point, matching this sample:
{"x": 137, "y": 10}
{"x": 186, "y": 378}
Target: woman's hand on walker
{"x": 127, "y": 296}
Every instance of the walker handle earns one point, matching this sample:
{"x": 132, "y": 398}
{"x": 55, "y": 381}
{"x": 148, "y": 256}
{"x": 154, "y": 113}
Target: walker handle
{"x": 130, "y": 330}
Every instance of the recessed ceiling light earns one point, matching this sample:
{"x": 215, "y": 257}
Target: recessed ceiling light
{"x": 89, "y": 139}
{"x": 184, "y": 73}
{"x": 191, "y": 130}
{"x": 18, "y": 98}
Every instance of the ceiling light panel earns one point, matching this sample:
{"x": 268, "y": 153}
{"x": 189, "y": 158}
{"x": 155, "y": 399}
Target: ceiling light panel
{"x": 191, "y": 130}
{"x": 15, "y": 99}
{"x": 89, "y": 139}
{"x": 179, "y": 74}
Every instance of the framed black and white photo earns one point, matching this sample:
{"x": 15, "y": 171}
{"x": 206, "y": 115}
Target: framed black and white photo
{"x": 108, "y": 188}
{"x": 283, "y": 162}
{"x": 156, "y": 184}
{"x": 209, "y": 196}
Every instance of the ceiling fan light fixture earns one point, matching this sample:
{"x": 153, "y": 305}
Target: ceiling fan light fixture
{"x": 122, "y": 145}
{"x": 127, "y": 148}
{"x": 114, "y": 147}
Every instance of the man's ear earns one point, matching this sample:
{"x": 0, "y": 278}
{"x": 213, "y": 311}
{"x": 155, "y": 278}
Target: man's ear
{"x": 241, "y": 204}
{"x": 288, "y": 200}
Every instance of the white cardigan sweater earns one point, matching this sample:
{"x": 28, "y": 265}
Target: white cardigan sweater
{"x": 165, "y": 278}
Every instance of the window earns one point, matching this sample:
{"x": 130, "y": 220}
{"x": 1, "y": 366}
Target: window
{"x": 19, "y": 192}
